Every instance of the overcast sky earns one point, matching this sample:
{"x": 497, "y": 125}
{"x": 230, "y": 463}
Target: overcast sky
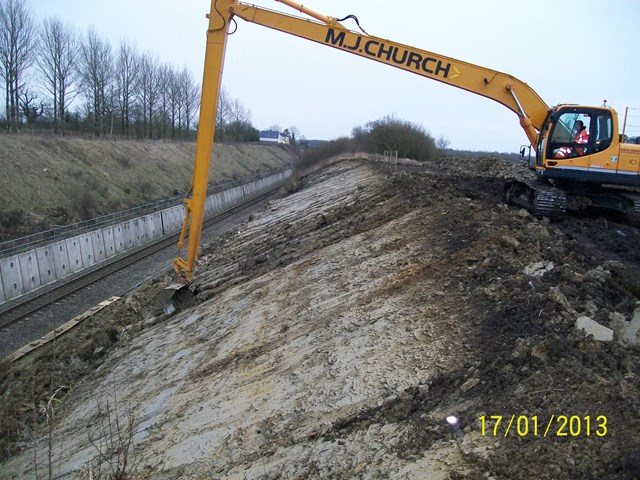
{"x": 569, "y": 52}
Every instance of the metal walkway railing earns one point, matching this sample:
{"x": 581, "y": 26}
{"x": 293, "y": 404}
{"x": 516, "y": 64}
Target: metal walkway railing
{"x": 60, "y": 232}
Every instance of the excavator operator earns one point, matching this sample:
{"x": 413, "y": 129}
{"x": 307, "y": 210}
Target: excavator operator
{"x": 581, "y": 138}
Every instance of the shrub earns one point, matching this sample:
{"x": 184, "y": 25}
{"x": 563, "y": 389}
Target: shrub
{"x": 390, "y": 133}
{"x": 313, "y": 157}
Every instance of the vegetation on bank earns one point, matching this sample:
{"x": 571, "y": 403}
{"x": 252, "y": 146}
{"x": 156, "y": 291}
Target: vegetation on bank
{"x": 48, "y": 180}
{"x": 389, "y": 133}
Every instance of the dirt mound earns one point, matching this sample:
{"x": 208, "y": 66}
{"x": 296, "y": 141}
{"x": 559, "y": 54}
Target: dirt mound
{"x": 381, "y": 325}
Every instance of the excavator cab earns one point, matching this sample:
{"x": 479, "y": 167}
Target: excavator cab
{"x": 578, "y": 143}
{"x": 579, "y": 150}
{"x": 570, "y": 135}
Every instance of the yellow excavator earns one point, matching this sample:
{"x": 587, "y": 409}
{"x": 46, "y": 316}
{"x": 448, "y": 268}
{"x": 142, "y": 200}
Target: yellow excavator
{"x": 579, "y": 155}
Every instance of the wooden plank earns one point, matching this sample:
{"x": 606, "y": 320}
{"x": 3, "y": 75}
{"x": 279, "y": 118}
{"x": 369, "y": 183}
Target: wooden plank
{"x": 61, "y": 330}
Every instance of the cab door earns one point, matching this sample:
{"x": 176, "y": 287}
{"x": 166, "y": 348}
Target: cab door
{"x": 604, "y": 160}
{"x": 570, "y": 143}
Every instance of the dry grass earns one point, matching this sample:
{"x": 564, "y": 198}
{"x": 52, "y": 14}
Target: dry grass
{"x": 60, "y": 180}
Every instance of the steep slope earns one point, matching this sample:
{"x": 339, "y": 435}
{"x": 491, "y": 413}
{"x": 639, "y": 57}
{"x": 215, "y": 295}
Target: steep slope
{"x": 334, "y": 334}
{"x": 51, "y": 180}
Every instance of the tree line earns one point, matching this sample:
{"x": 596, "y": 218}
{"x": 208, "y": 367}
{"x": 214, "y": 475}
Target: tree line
{"x": 388, "y": 133}
{"x": 55, "y": 78}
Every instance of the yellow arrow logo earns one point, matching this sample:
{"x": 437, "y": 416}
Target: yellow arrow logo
{"x": 456, "y": 73}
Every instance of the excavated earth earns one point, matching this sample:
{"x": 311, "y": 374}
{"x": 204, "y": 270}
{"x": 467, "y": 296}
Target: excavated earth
{"x": 333, "y": 335}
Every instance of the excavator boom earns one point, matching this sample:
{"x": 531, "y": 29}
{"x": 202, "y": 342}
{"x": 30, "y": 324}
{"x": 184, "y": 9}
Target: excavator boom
{"x": 546, "y": 128}
{"x": 501, "y": 87}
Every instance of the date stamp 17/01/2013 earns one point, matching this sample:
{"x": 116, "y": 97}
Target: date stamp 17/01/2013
{"x": 534, "y": 425}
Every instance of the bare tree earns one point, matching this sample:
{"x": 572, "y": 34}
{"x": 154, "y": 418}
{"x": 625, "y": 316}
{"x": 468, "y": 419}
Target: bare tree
{"x": 164, "y": 109}
{"x": 238, "y": 112}
{"x": 442, "y": 143}
{"x": 223, "y": 113}
{"x": 126, "y": 74}
{"x": 31, "y": 107}
{"x": 175, "y": 105}
{"x": 239, "y": 120}
{"x": 96, "y": 75}
{"x": 190, "y": 96}
{"x": 17, "y": 41}
{"x": 148, "y": 92}
{"x": 233, "y": 120}
{"x": 56, "y": 61}
{"x": 294, "y": 134}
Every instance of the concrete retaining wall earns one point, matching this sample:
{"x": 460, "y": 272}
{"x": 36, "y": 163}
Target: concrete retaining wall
{"x": 46, "y": 264}
{"x": 30, "y": 270}
{"x": 60, "y": 259}
{"x": 11, "y": 277}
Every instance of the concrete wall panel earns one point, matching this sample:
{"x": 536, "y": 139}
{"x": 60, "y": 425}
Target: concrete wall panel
{"x": 74, "y": 253}
{"x": 11, "y": 277}
{"x": 172, "y": 218}
{"x": 221, "y": 199}
{"x": 181, "y": 213}
{"x": 86, "y": 250}
{"x": 97, "y": 242}
{"x": 226, "y": 198}
{"x": 142, "y": 231}
{"x": 209, "y": 206}
{"x": 138, "y": 231}
{"x": 236, "y": 194}
{"x": 109, "y": 242}
{"x": 46, "y": 264}
{"x": 154, "y": 225}
{"x": 128, "y": 234}
{"x": 167, "y": 220}
{"x": 143, "y": 228}
{"x": 61, "y": 259}
{"x": 119, "y": 239}
{"x": 2, "y": 297}
{"x": 151, "y": 226}
{"x": 29, "y": 270}
{"x": 216, "y": 201}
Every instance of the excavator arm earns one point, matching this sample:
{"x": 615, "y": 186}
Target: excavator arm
{"x": 505, "y": 89}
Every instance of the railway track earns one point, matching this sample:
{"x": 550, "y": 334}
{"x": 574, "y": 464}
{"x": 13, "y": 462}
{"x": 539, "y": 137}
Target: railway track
{"x": 28, "y": 304}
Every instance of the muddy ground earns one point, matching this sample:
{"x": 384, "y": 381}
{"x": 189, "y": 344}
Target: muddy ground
{"x": 334, "y": 334}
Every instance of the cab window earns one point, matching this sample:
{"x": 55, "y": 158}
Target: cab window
{"x": 602, "y": 131}
{"x": 571, "y": 135}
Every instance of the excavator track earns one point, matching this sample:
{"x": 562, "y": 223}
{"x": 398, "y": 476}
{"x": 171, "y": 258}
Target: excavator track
{"x": 636, "y": 211}
{"x": 545, "y": 200}
{"x": 633, "y": 216}
{"x": 538, "y": 197}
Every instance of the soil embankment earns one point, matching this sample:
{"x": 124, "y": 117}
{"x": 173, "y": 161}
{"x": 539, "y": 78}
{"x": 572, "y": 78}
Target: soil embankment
{"x": 334, "y": 334}
{"x": 50, "y": 180}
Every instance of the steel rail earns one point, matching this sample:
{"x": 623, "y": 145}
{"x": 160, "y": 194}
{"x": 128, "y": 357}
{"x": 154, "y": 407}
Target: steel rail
{"x": 15, "y": 310}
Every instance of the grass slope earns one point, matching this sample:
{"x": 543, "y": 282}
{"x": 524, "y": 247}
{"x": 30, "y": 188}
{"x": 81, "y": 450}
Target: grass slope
{"x": 52, "y": 180}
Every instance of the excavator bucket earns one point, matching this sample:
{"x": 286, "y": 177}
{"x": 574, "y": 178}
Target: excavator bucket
{"x": 166, "y": 295}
